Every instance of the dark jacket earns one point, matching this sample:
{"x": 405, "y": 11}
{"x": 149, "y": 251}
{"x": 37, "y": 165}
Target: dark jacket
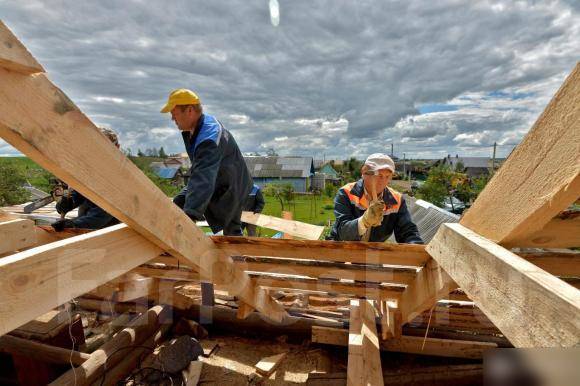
{"x": 90, "y": 215}
{"x": 349, "y": 205}
{"x": 255, "y": 200}
{"x": 219, "y": 179}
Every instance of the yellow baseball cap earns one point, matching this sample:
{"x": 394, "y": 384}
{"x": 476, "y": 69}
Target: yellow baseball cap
{"x": 181, "y": 96}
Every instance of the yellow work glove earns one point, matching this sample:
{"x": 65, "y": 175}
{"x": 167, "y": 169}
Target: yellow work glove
{"x": 374, "y": 214}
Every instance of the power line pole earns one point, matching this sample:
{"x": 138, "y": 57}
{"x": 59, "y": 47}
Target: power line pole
{"x": 404, "y": 167}
{"x": 493, "y": 159}
{"x": 392, "y": 151}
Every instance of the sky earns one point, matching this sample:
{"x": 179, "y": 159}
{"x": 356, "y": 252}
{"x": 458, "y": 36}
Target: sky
{"x": 330, "y": 79}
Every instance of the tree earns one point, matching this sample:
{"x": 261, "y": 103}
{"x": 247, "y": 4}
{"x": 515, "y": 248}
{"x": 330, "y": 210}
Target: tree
{"x": 162, "y": 153}
{"x": 282, "y": 192}
{"x": 271, "y": 152}
{"x": 11, "y": 185}
{"x": 140, "y": 153}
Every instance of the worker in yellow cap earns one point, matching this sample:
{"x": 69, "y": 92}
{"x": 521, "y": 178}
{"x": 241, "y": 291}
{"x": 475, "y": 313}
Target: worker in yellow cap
{"x": 370, "y": 210}
{"x": 219, "y": 180}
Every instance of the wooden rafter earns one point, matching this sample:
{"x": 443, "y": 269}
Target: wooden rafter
{"x": 16, "y": 235}
{"x": 540, "y": 179}
{"x": 53, "y": 132}
{"x": 531, "y": 307}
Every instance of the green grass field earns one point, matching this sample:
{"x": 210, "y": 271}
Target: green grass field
{"x": 34, "y": 174}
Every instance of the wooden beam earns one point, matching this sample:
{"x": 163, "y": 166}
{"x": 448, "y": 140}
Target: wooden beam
{"x": 314, "y": 268}
{"x": 558, "y": 263}
{"x": 291, "y": 227}
{"x": 134, "y": 286}
{"x": 364, "y": 357}
{"x": 540, "y": 178}
{"x": 531, "y": 307}
{"x": 362, "y": 289}
{"x": 560, "y": 232}
{"x": 409, "y": 344}
{"x": 244, "y": 310}
{"x": 37, "y": 280}
{"x": 14, "y": 56}
{"x": 431, "y": 284}
{"x": 94, "y": 167}
{"x": 16, "y": 234}
{"x": 342, "y": 251}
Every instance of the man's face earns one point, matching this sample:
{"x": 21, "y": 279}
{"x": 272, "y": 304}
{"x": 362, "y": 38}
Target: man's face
{"x": 184, "y": 118}
{"x": 379, "y": 181}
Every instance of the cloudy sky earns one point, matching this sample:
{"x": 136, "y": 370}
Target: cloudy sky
{"x": 326, "y": 78}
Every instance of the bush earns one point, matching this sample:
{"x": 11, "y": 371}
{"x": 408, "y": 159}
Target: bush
{"x": 11, "y": 185}
{"x": 328, "y": 207}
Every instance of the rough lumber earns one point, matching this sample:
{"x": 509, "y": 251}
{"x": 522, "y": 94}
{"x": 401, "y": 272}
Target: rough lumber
{"x": 558, "y": 263}
{"x": 14, "y": 56}
{"x": 313, "y": 268}
{"x": 561, "y": 232}
{"x": 362, "y": 289}
{"x": 138, "y": 331}
{"x": 409, "y": 344}
{"x": 244, "y": 310}
{"x": 94, "y": 167}
{"x": 135, "y": 286}
{"x": 431, "y": 284}
{"x": 531, "y": 307}
{"x": 540, "y": 178}
{"x": 40, "y": 351}
{"x": 343, "y": 251}
{"x": 54, "y": 273}
{"x": 291, "y": 227}
{"x": 266, "y": 366}
{"x": 16, "y": 235}
{"x": 364, "y": 356}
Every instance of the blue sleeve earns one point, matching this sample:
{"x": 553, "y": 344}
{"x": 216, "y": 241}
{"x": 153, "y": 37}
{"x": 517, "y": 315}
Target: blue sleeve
{"x": 95, "y": 218}
{"x": 346, "y": 220}
{"x": 405, "y": 229}
{"x": 201, "y": 184}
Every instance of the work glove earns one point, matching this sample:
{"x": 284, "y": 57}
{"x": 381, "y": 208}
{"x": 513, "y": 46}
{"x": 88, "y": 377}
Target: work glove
{"x": 60, "y": 225}
{"x": 374, "y": 214}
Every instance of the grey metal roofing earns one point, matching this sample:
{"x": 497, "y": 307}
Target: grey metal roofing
{"x": 275, "y": 166}
{"x": 427, "y": 217}
{"x": 470, "y": 162}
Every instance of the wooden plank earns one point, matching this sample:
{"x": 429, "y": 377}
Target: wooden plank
{"x": 244, "y": 310}
{"x": 40, "y": 351}
{"x": 531, "y": 307}
{"x": 14, "y": 56}
{"x": 326, "y": 269}
{"x": 94, "y": 167}
{"x": 560, "y": 232}
{"x": 364, "y": 358}
{"x": 37, "y": 280}
{"x": 342, "y": 251}
{"x": 288, "y": 216}
{"x": 135, "y": 286}
{"x": 409, "y": 344}
{"x": 558, "y": 263}
{"x": 364, "y": 289}
{"x": 291, "y": 227}
{"x": 431, "y": 284}
{"x": 540, "y": 178}
{"x": 16, "y": 234}
{"x": 266, "y": 366}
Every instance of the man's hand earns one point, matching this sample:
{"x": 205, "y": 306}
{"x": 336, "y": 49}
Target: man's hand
{"x": 374, "y": 214}
{"x": 60, "y": 225}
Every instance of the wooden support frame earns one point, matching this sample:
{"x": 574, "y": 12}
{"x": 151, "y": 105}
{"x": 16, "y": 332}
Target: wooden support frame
{"x": 16, "y": 234}
{"x": 540, "y": 179}
{"x": 35, "y": 281}
{"x": 409, "y": 344}
{"x": 93, "y": 166}
{"x": 364, "y": 356}
{"x": 531, "y": 307}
